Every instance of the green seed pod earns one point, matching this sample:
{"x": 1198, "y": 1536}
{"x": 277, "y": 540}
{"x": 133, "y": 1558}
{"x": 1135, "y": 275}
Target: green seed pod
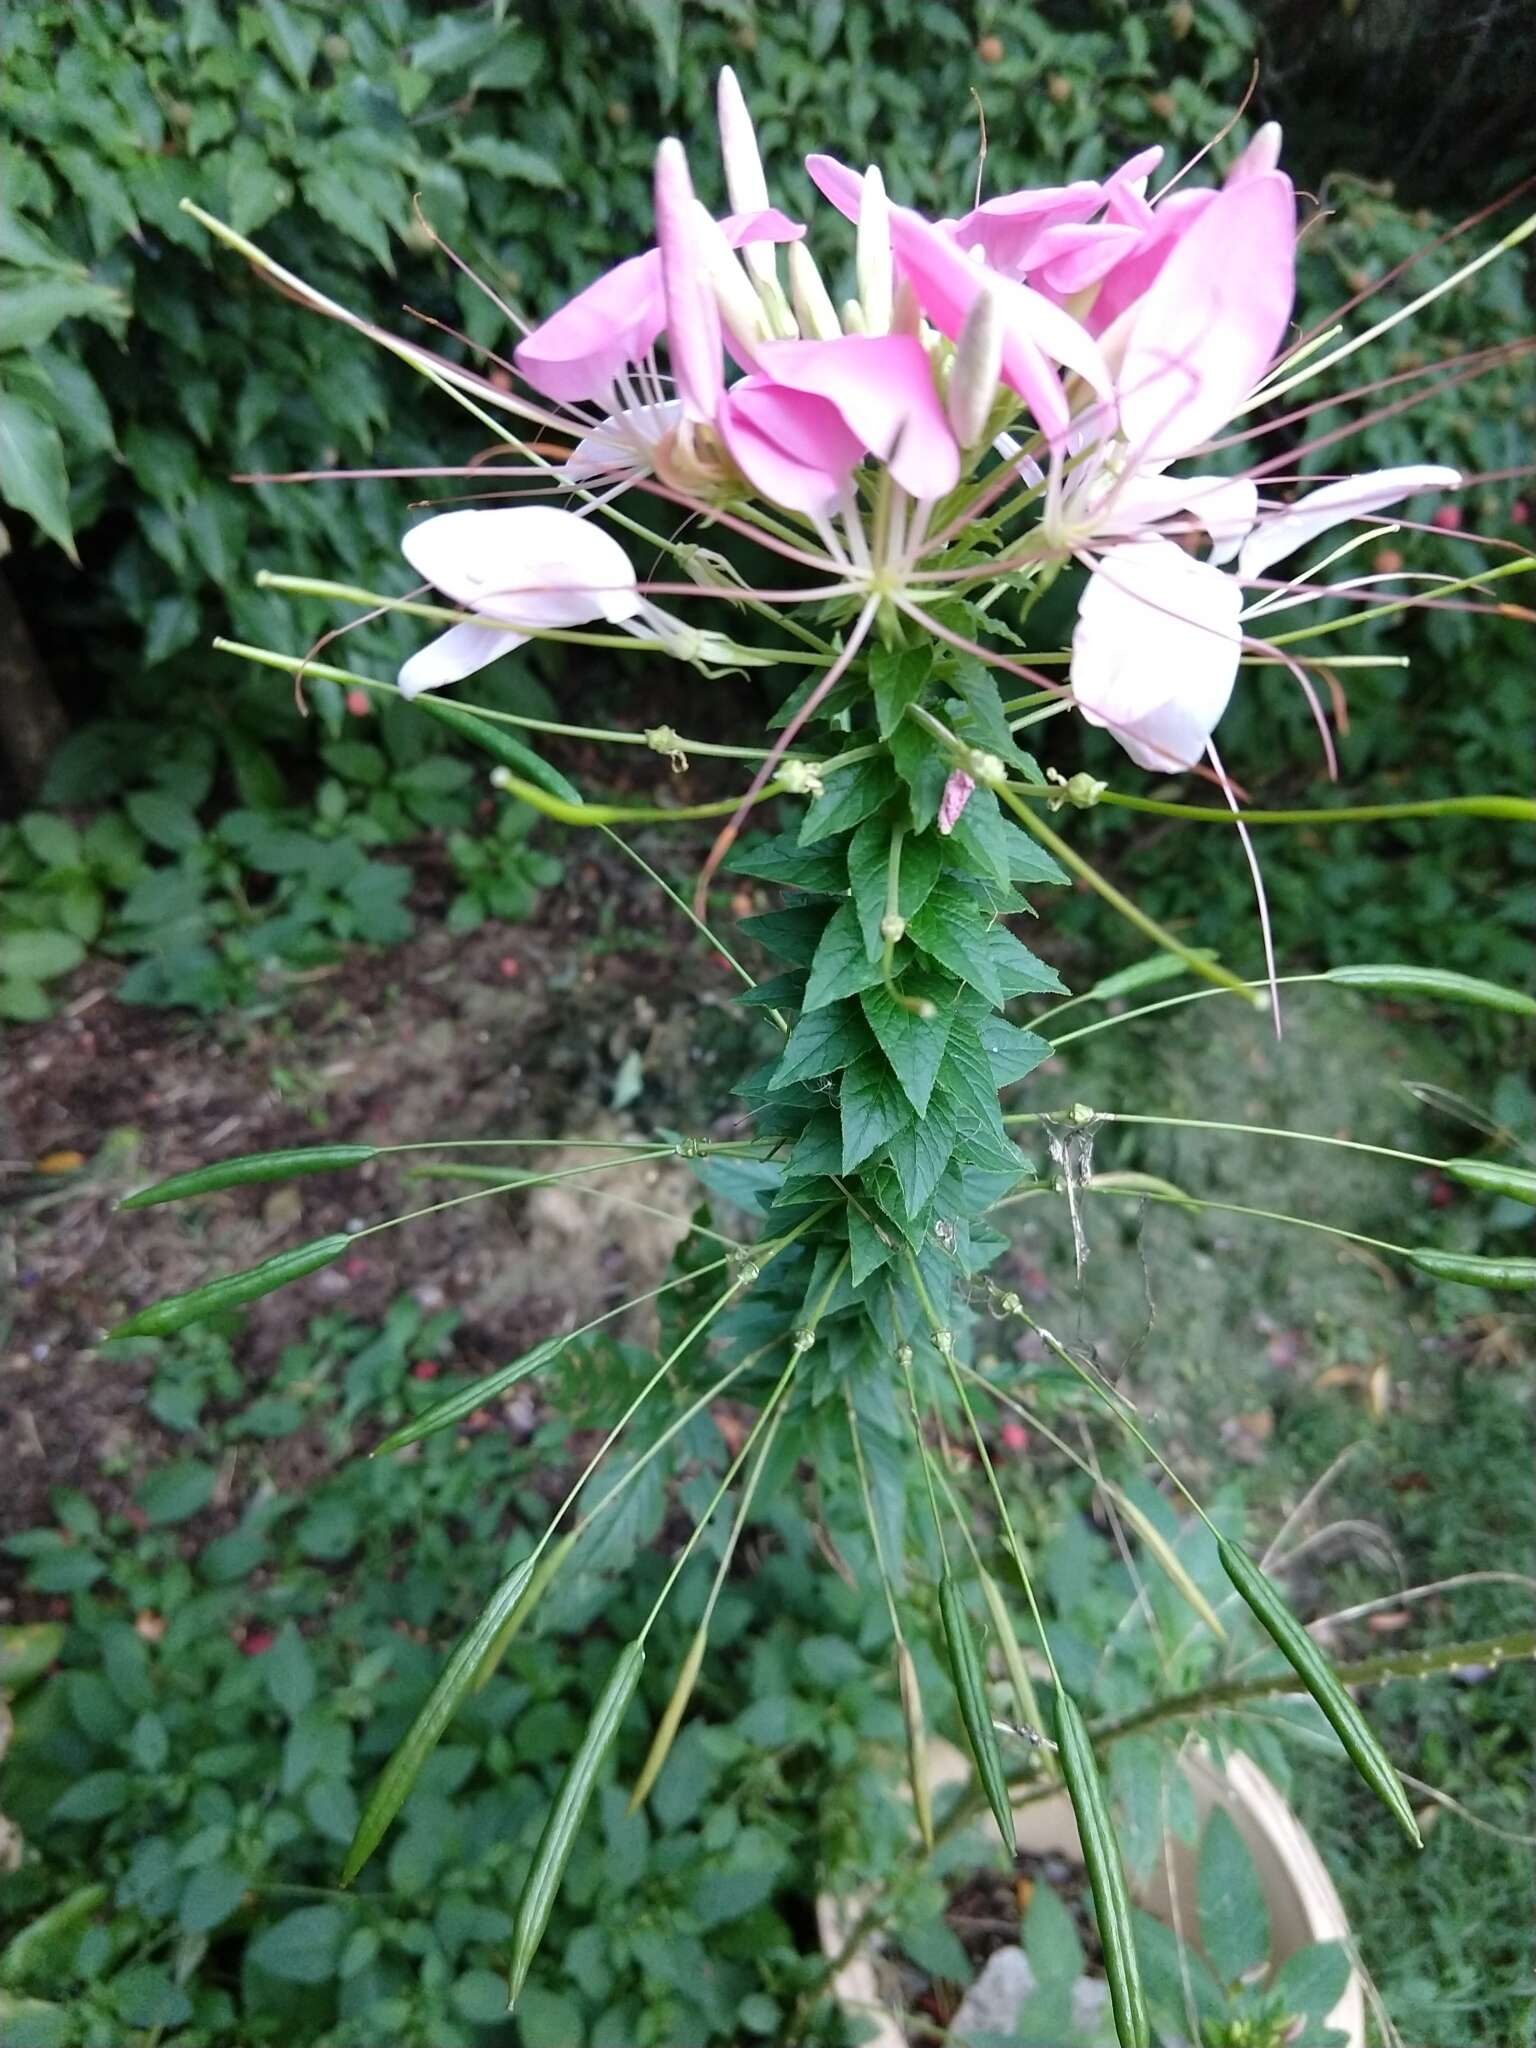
{"x": 1013, "y": 1657}
{"x": 558, "y": 1838}
{"x": 252, "y": 1167}
{"x": 1106, "y": 1874}
{"x": 1318, "y": 1676}
{"x": 917, "y": 1742}
{"x": 496, "y": 741}
{"x": 971, "y": 1692}
{"x": 1493, "y": 1177}
{"x": 161, "y": 1318}
{"x": 399, "y": 1774}
{"x": 442, "y": 1414}
{"x": 671, "y": 1719}
{"x": 1516, "y": 1276}
{"x": 1438, "y": 982}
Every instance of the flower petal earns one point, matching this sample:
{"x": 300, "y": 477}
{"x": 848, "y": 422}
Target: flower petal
{"x": 693, "y": 317}
{"x": 1226, "y": 506}
{"x": 1008, "y": 229}
{"x": 454, "y": 655}
{"x": 792, "y": 446}
{"x": 883, "y": 389}
{"x": 1279, "y": 534}
{"x": 1155, "y": 651}
{"x": 623, "y": 444}
{"x": 1195, "y": 346}
{"x": 525, "y": 565}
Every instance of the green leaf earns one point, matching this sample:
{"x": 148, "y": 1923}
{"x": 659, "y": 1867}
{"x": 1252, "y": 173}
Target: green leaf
{"x": 923, "y": 770}
{"x": 1234, "y": 1920}
{"x": 874, "y": 1108}
{"x": 954, "y": 929}
{"x": 39, "y": 956}
{"x": 175, "y": 1492}
{"x": 31, "y": 310}
{"x": 288, "y": 1672}
{"x": 506, "y": 159}
{"x": 977, "y": 715}
{"x": 922, "y": 1150}
{"x": 164, "y": 820}
{"x": 913, "y": 1045}
{"x": 1050, "y": 1939}
{"x": 32, "y": 474}
{"x": 819, "y": 870}
{"x": 303, "y": 1947}
{"x": 212, "y": 1894}
{"x": 849, "y": 797}
{"x": 50, "y": 839}
{"x": 822, "y": 1042}
{"x": 840, "y": 966}
{"x": 1013, "y": 1051}
{"x": 339, "y": 204}
{"x": 1312, "y": 1980}
{"x": 22, "y": 1000}
{"x": 871, "y": 1245}
{"x": 793, "y": 934}
{"x": 1018, "y": 971}
{"x": 296, "y": 40}
{"x": 897, "y": 676}
{"x": 458, "y": 1676}
{"x": 869, "y": 853}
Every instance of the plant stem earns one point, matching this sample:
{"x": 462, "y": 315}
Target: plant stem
{"x": 1519, "y": 808}
{"x": 507, "y": 1187}
{"x": 1198, "y": 1123}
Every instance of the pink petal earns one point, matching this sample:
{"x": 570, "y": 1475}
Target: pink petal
{"x": 693, "y": 317}
{"x": 791, "y": 445}
{"x": 882, "y": 386}
{"x": 1155, "y": 651}
{"x": 1008, "y": 230}
{"x": 1226, "y": 506}
{"x": 453, "y": 655}
{"x": 1195, "y": 346}
{"x": 1352, "y": 497}
{"x": 958, "y": 791}
{"x": 578, "y": 352}
{"x": 1159, "y": 232}
{"x": 836, "y": 182}
{"x": 1068, "y": 259}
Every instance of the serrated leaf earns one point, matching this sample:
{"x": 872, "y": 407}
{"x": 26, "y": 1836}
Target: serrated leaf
{"x": 1312, "y": 1980}
{"x": 793, "y": 934}
{"x": 340, "y": 205}
{"x": 913, "y": 1045}
{"x": 848, "y": 799}
{"x": 822, "y": 1042}
{"x": 869, "y": 852}
{"x": 1019, "y": 972}
{"x": 965, "y": 1077}
{"x": 1234, "y": 1919}
{"x": 897, "y": 676}
{"x": 871, "y": 1245}
{"x": 953, "y": 928}
{"x": 923, "y": 770}
{"x": 921, "y": 1151}
{"x": 819, "y": 870}
{"x": 977, "y": 715}
{"x": 1013, "y": 1051}
{"x": 841, "y": 966}
{"x": 506, "y": 159}
{"x": 874, "y": 1108}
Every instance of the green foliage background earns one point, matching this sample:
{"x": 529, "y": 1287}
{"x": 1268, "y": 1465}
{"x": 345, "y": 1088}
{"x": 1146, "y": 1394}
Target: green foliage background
{"x": 140, "y": 373}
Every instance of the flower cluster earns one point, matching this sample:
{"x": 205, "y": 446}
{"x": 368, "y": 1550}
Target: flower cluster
{"x": 1005, "y": 393}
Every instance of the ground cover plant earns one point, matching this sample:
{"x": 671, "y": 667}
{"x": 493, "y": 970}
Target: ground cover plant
{"x": 987, "y": 424}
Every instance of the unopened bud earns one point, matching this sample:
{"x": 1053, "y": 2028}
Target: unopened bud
{"x": 802, "y": 1342}
{"x": 744, "y": 179}
{"x": 975, "y": 370}
{"x": 893, "y": 930}
{"x": 873, "y": 265}
{"x": 987, "y": 769}
{"x": 1261, "y": 155}
{"x": 801, "y": 778}
{"x": 809, "y": 296}
{"x": 740, "y": 307}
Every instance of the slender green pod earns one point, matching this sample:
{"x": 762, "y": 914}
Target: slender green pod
{"x": 249, "y": 1169}
{"x": 975, "y": 1713}
{"x": 161, "y": 1318}
{"x": 558, "y": 1838}
{"x": 499, "y": 744}
{"x": 1472, "y": 1269}
{"x": 454, "y": 1407}
{"x": 1023, "y": 1690}
{"x": 1439, "y": 982}
{"x": 672, "y": 1718}
{"x": 545, "y": 1569}
{"x": 399, "y": 1774}
{"x": 1318, "y": 1676}
{"x": 1106, "y": 1873}
{"x": 917, "y": 1741}
{"x": 1493, "y": 1177}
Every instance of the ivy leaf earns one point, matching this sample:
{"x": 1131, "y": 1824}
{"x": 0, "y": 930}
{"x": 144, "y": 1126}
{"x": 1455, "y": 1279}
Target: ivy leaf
{"x": 952, "y": 928}
{"x": 823, "y": 1042}
{"x": 841, "y": 966}
{"x": 921, "y": 1151}
{"x": 32, "y": 474}
{"x": 897, "y": 675}
{"x": 869, "y": 853}
{"x": 503, "y": 159}
{"x": 874, "y": 1108}
{"x": 849, "y": 797}
{"x": 913, "y": 1045}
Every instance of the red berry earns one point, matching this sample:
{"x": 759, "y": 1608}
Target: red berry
{"x": 425, "y": 1369}
{"x": 1015, "y": 1437}
{"x": 359, "y": 703}
{"x": 256, "y": 1641}
{"x": 1448, "y": 518}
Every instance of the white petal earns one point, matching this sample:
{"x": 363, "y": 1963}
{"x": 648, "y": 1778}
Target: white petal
{"x": 624, "y": 443}
{"x": 1225, "y": 506}
{"x": 529, "y": 565}
{"x": 453, "y": 655}
{"x": 1155, "y": 651}
{"x": 1352, "y": 497}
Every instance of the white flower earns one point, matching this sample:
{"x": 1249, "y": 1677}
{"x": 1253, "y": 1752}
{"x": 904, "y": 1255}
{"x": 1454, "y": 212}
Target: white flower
{"x": 525, "y": 568}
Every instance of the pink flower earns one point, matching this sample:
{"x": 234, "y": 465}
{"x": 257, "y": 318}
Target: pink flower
{"x": 957, "y": 794}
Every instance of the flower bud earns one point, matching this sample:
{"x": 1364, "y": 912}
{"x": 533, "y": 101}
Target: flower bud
{"x": 1261, "y": 155}
{"x": 740, "y": 307}
{"x": 873, "y": 264}
{"x": 809, "y": 296}
{"x": 975, "y": 370}
{"x": 744, "y": 179}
